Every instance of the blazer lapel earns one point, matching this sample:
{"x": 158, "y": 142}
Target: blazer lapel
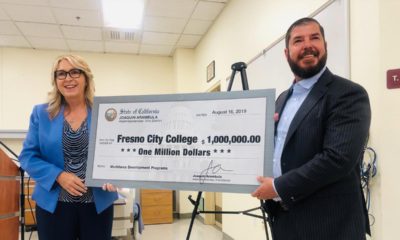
{"x": 89, "y": 117}
{"x": 57, "y": 125}
{"x": 316, "y": 93}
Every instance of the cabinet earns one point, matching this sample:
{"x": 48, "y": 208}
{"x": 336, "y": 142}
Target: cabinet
{"x": 156, "y": 206}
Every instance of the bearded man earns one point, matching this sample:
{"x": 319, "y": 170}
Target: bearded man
{"x": 322, "y": 124}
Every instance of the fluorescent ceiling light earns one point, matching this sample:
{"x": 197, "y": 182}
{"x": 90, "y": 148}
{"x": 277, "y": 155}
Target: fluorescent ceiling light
{"x": 123, "y": 13}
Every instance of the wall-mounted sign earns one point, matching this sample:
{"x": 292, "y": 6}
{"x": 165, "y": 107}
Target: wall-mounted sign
{"x": 393, "y": 78}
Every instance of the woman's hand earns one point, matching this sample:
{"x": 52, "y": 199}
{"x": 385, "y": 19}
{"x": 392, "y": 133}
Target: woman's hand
{"x": 109, "y": 187}
{"x": 71, "y": 183}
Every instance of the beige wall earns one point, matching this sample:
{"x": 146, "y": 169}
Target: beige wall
{"x": 374, "y": 42}
{"x": 243, "y": 30}
{"x": 387, "y": 116}
{"x": 184, "y": 71}
{"x": 365, "y": 69}
{"x": 25, "y": 79}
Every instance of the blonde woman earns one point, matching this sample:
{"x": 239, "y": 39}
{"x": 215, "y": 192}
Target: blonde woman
{"x": 55, "y": 154}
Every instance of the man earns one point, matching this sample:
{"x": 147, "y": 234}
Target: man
{"x": 322, "y": 124}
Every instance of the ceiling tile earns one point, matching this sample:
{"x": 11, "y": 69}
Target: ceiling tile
{"x": 77, "y": 4}
{"x": 40, "y": 30}
{"x": 189, "y": 41}
{"x": 77, "y": 25}
{"x": 86, "y": 46}
{"x": 88, "y": 18}
{"x": 164, "y": 24}
{"x": 82, "y": 33}
{"x": 155, "y": 50}
{"x": 48, "y": 43}
{"x": 170, "y": 8}
{"x": 26, "y": 13}
{"x": 207, "y": 10}
{"x": 13, "y": 41}
{"x": 8, "y": 28}
{"x": 197, "y": 26}
{"x": 159, "y": 38}
{"x": 117, "y": 47}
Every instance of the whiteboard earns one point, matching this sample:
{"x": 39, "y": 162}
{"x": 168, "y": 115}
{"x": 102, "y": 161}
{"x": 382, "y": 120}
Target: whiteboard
{"x": 270, "y": 69}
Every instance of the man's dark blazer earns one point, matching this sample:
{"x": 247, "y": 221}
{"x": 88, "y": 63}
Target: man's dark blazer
{"x": 320, "y": 182}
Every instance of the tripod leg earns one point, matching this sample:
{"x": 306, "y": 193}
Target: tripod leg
{"x": 231, "y": 80}
{"x": 245, "y": 83}
{"x": 264, "y": 219}
{"x": 194, "y": 213}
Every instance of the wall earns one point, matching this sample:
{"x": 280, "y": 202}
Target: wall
{"x": 25, "y": 79}
{"x": 184, "y": 71}
{"x": 387, "y": 117}
{"x": 243, "y": 30}
{"x": 366, "y": 58}
{"x": 374, "y": 51}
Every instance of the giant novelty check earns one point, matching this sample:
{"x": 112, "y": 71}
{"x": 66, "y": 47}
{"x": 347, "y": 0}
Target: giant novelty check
{"x": 203, "y": 141}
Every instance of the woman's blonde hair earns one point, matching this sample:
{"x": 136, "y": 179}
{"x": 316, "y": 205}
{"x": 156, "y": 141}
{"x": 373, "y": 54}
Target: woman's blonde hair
{"x": 55, "y": 98}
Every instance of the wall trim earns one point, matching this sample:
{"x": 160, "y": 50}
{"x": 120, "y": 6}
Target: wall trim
{"x": 12, "y": 134}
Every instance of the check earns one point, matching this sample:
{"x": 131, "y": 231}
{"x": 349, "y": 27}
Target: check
{"x": 211, "y": 141}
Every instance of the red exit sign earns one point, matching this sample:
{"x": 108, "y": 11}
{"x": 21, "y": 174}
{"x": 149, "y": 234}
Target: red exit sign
{"x": 393, "y": 78}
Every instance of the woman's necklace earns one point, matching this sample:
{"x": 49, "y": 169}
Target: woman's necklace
{"x": 75, "y": 118}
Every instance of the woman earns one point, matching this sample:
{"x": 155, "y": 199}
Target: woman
{"x": 55, "y": 153}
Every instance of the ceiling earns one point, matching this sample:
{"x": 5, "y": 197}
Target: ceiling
{"x": 77, "y": 25}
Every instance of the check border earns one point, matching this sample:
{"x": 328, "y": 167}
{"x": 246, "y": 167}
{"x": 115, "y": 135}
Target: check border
{"x": 268, "y": 94}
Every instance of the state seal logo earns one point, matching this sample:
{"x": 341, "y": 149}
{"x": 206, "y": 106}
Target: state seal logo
{"x": 111, "y": 114}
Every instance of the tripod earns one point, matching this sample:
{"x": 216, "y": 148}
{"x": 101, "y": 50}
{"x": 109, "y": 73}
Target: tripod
{"x": 241, "y": 67}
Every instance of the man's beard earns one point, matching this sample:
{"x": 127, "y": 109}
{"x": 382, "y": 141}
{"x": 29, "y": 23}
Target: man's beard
{"x": 309, "y": 71}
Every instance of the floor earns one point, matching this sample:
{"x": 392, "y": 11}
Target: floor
{"x": 177, "y": 230}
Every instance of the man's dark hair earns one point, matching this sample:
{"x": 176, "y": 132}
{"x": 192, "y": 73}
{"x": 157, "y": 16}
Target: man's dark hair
{"x": 302, "y": 21}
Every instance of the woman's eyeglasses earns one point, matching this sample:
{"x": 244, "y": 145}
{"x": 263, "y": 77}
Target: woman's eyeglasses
{"x": 73, "y": 73}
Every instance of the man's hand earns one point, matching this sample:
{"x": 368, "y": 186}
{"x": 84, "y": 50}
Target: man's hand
{"x": 265, "y": 190}
{"x": 71, "y": 183}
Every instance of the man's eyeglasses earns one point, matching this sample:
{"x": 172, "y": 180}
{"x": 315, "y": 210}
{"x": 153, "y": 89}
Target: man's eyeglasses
{"x": 73, "y": 73}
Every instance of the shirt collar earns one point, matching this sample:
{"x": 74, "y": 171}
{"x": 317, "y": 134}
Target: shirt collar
{"x": 308, "y": 83}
